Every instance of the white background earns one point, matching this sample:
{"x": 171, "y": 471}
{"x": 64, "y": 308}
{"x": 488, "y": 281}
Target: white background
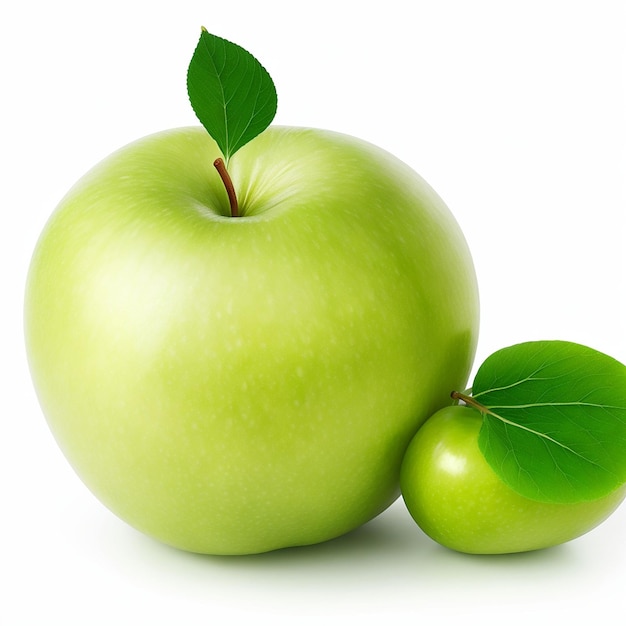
{"x": 514, "y": 111}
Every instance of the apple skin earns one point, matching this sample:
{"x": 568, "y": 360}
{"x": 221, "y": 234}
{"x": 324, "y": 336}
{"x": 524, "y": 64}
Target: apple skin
{"x": 237, "y": 385}
{"x": 459, "y": 501}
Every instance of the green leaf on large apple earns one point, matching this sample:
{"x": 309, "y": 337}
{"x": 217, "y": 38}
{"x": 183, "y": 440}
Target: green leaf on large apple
{"x": 554, "y": 420}
{"x": 230, "y": 92}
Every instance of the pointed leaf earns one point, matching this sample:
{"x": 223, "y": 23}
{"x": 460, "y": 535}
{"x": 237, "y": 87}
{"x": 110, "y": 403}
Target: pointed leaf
{"x": 231, "y": 93}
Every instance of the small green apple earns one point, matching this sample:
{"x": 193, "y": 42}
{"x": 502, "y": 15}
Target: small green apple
{"x": 239, "y": 384}
{"x": 460, "y": 502}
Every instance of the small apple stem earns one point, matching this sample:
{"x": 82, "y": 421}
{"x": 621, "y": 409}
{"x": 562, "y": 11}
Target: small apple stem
{"x": 457, "y": 395}
{"x": 228, "y": 183}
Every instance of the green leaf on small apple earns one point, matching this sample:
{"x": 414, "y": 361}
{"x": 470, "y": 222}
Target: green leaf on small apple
{"x": 554, "y": 420}
{"x": 230, "y": 92}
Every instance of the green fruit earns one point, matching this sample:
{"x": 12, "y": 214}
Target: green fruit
{"x": 459, "y": 501}
{"x": 236, "y": 385}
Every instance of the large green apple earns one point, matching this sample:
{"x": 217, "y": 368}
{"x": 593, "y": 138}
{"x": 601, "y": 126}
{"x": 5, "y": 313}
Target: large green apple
{"x": 240, "y": 384}
{"x": 459, "y": 501}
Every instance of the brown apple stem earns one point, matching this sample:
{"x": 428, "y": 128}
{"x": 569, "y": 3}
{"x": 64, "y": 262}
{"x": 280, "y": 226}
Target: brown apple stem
{"x": 228, "y": 183}
{"x": 457, "y": 395}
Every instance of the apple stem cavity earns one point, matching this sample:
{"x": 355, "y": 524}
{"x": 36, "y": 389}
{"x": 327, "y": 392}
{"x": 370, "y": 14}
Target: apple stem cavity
{"x": 457, "y": 395}
{"x": 228, "y": 184}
